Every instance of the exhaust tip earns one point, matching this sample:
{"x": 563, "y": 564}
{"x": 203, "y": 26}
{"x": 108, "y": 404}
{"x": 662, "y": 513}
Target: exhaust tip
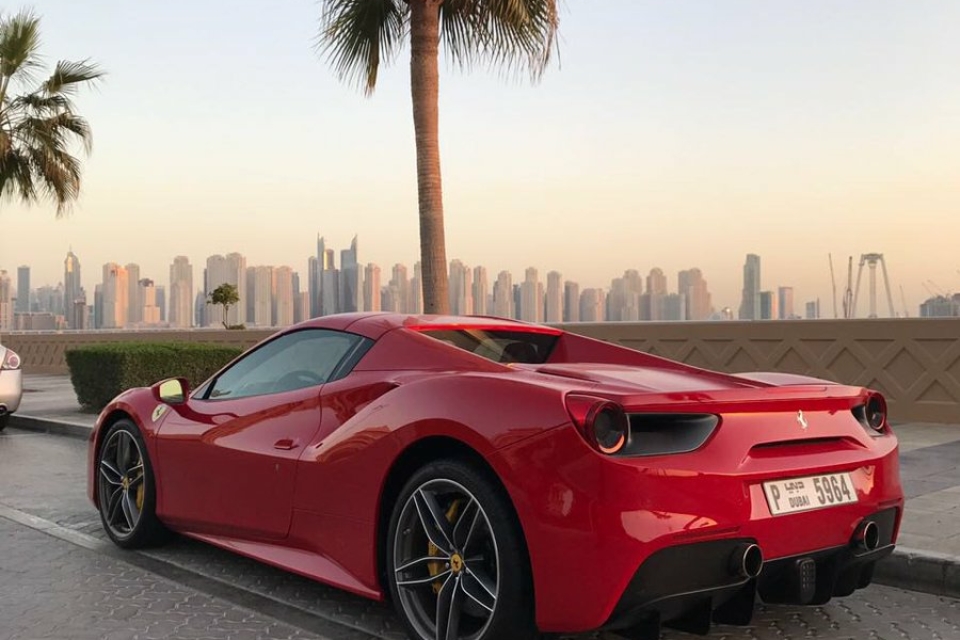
{"x": 867, "y": 535}
{"x": 746, "y": 561}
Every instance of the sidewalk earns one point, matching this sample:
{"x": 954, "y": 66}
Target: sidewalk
{"x": 928, "y": 550}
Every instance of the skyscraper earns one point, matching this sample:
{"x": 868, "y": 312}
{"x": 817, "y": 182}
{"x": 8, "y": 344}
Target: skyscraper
{"x": 229, "y": 269}
{"x": 768, "y": 306}
{"x": 73, "y": 292}
{"x": 481, "y": 291}
{"x": 554, "y": 297}
{"x": 531, "y": 297}
{"x": 571, "y": 301}
{"x": 592, "y": 305}
{"x": 503, "y": 295}
{"x": 329, "y": 280}
{"x": 693, "y": 288}
{"x": 150, "y": 312}
{"x": 371, "y": 288}
{"x": 653, "y": 301}
{"x": 23, "y": 290}
{"x": 750, "y": 302}
{"x": 313, "y": 287}
{"x": 115, "y": 294}
{"x": 283, "y": 302}
{"x": 351, "y": 279}
{"x": 785, "y": 296}
{"x": 401, "y": 283}
{"x": 6, "y": 302}
{"x": 134, "y": 302}
{"x": 260, "y": 296}
{"x": 181, "y": 293}
{"x": 461, "y": 289}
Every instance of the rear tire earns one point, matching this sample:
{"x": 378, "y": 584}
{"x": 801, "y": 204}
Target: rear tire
{"x": 126, "y": 489}
{"x": 4, "y": 421}
{"x": 480, "y": 582}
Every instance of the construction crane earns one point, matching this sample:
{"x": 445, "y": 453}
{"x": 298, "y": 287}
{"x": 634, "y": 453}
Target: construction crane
{"x": 833, "y": 281}
{"x": 848, "y": 291}
{"x": 871, "y": 260}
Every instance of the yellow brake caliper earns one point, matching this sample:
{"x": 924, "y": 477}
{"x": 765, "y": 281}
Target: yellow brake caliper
{"x": 436, "y": 568}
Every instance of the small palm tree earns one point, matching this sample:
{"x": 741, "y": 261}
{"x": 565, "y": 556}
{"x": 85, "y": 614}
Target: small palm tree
{"x": 357, "y": 35}
{"x": 38, "y": 124}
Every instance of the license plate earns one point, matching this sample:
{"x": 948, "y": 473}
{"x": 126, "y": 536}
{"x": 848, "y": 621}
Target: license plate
{"x": 813, "y": 492}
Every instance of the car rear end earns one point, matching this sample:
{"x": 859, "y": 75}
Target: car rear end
{"x": 680, "y": 507}
{"x": 11, "y": 383}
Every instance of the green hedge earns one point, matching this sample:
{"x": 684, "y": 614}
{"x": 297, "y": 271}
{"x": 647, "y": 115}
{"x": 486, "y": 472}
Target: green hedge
{"x": 100, "y": 372}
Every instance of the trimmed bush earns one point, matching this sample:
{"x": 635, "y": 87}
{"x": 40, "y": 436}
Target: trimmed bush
{"x": 99, "y": 372}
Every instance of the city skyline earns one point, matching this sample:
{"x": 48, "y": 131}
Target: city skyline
{"x": 280, "y": 295}
{"x": 734, "y": 135}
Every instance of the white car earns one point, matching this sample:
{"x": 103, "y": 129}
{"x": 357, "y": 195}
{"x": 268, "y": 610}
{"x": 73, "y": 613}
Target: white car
{"x": 11, "y": 384}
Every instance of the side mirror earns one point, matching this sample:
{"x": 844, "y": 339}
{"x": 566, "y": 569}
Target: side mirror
{"x": 172, "y": 390}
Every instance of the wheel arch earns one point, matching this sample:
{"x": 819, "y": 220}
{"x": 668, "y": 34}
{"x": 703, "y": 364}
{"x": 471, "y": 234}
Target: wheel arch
{"x": 414, "y": 457}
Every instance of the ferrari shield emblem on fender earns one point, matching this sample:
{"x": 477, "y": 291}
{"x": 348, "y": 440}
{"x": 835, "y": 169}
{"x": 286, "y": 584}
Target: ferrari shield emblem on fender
{"x": 158, "y": 412}
{"x": 802, "y": 421}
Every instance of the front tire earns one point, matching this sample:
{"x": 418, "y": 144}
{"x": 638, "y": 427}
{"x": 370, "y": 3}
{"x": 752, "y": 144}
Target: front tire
{"x": 457, "y": 566}
{"x": 126, "y": 489}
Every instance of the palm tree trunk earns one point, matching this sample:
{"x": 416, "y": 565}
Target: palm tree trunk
{"x": 424, "y": 90}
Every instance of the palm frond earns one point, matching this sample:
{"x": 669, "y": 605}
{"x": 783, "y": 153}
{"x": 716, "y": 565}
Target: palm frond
{"x": 67, "y": 75}
{"x": 508, "y": 34}
{"x": 356, "y": 36}
{"x": 40, "y": 128}
{"x": 16, "y": 177}
{"x": 19, "y": 46}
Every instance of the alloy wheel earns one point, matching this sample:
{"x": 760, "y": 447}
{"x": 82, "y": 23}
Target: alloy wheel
{"x": 121, "y": 483}
{"x": 446, "y": 562}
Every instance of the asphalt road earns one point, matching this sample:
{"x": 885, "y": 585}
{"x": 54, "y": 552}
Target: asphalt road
{"x": 60, "y": 578}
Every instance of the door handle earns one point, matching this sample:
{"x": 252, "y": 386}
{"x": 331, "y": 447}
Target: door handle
{"x": 286, "y": 444}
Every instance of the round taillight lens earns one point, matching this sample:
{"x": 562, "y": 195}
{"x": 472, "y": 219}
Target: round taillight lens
{"x": 610, "y": 428}
{"x": 876, "y": 412}
{"x": 11, "y": 361}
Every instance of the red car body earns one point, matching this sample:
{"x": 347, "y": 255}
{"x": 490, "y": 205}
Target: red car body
{"x": 304, "y": 479}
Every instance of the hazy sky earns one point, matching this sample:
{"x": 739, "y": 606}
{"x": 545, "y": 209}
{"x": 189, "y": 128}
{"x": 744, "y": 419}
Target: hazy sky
{"x": 671, "y": 134}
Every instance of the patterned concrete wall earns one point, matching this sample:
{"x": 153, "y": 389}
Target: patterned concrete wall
{"x": 914, "y": 362}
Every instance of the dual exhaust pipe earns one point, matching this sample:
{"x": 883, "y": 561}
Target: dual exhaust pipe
{"x": 746, "y": 561}
{"x": 867, "y": 536}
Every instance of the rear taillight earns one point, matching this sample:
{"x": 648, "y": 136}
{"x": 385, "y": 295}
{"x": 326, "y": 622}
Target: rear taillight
{"x": 876, "y": 412}
{"x": 602, "y": 423}
{"x": 872, "y": 414}
{"x": 10, "y": 361}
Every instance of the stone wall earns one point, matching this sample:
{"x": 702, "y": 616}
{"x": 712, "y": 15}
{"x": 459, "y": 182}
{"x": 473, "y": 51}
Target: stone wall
{"x": 915, "y": 362}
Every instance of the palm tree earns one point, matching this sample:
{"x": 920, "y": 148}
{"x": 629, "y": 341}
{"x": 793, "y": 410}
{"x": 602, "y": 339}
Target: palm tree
{"x": 357, "y": 35}
{"x": 38, "y": 124}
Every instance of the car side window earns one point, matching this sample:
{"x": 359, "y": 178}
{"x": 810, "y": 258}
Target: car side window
{"x": 304, "y": 358}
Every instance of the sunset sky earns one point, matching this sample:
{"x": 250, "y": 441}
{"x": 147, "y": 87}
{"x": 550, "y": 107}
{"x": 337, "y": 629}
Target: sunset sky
{"x": 670, "y": 134}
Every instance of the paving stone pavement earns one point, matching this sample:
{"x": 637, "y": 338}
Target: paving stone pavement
{"x": 50, "y": 588}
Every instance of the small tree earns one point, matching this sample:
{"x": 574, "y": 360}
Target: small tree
{"x": 226, "y": 296}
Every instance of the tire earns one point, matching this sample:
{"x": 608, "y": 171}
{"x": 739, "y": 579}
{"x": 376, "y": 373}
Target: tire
{"x": 126, "y": 489}
{"x": 4, "y": 421}
{"x": 481, "y": 575}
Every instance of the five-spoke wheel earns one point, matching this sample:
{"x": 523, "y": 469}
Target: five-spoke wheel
{"x": 457, "y": 567}
{"x": 125, "y": 489}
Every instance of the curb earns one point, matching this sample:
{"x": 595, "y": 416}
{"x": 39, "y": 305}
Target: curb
{"x": 50, "y": 425}
{"x": 906, "y": 568}
{"x": 917, "y": 570}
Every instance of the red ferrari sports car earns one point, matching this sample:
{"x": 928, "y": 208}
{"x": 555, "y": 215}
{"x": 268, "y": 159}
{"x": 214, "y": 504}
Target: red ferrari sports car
{"x": 497, "y": 479}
